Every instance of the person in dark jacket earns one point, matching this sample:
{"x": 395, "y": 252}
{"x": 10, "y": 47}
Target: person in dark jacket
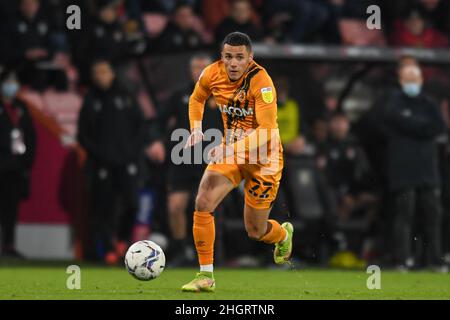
{"x": 347, "y": 168}
{"x": 103, "y": 38}
{"x": 183, "y": 178}
{"x": 179, "y": 34}
{"x": 111, "y": 128}
{"x": 239, "y": 19}
{"x": 27, "y": 42}
{"x": 412, "y": 122}
{"x": 351, "y": 178}
{"x": 17, "y": 148}
{"x": 106, "y": 34}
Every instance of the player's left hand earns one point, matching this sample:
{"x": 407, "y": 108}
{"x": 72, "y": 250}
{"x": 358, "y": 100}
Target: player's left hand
{"x": 195, "y": 137}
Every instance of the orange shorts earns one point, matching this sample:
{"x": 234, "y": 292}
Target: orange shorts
{"x": 261, "y": 181}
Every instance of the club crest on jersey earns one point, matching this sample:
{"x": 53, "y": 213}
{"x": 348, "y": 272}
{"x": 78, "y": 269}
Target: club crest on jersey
{"x": 267, "y": 94}
{"x": 241, "y": 96}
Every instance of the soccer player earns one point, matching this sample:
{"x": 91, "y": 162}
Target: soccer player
{"x": 246, "y": 98}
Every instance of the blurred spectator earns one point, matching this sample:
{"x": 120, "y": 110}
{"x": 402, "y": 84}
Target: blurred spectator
{"x": 183, "y": 179}
{"x": 29, "y": 30}
{"x": 435, "y": 76}
{"x": 301, "y": 21}
{"x": 239, "y": 19}
{"x": 214, "y": 11}
{"x": 352, "y": 8}
{"x": 352, "y": 22}
{"x": 56, "y": 13}
{"x": 406, "y": 60}
{"x": 349, "y": 175}
{"x": 289, "y": 118}
{"x": 412, "y": 122}
{"x": 27, "y": 38}
{"x": 179, "y": 34}
{"x": 437, "y": 12}
{"x": 8, "y": 9}
{"x": 104, "y": 38}
{"x": 319, "y": 137}
{"x": 134, "y": 26}
{"x": 110, "y": 35}
{"x": 415, "y": 31}
{"x": 111, "y": 129}
{"x": 17, "y": 146}
{"x": 165, "y": 6}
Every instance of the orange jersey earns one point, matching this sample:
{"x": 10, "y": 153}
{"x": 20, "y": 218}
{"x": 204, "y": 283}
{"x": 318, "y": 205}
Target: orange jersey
{"x": 247, "y": 103}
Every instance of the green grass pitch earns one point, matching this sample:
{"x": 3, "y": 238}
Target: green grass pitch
{"x": 49, "y": 282}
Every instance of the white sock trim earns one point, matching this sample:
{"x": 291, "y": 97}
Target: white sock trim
{"x": 207, "y": 268}
{"x": 285, "y": 238}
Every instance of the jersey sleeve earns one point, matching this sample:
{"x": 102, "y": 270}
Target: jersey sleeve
{"x": 198, "y": 98}
{"x": 265, "y": 97}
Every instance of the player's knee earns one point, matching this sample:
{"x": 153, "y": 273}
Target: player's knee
{"x": 203, "y": 203}
{"x": 255, "y": 233}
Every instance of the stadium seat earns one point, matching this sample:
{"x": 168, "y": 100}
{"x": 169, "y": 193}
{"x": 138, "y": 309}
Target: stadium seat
{"x": 154, "y": 23}
{"x": 62, "y": 101}
{"x": 310, "y": 207}
{"x": 67, "y": 118}
{"x": 303, "y": 177}
{"x": 354, "y": 32}
{"x": 34, "y": 97}
{"x": 71, "y": 129}
{"x": 63, "y": 106}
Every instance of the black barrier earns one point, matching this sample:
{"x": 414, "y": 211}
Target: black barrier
{"x": 349, "y": 53}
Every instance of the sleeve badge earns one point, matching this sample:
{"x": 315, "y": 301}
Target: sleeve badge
{"x": 267, "y": 94}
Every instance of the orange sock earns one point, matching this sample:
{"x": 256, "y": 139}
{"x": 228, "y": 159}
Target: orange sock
{"x": 204, "y": 234}
{"x": 275, "y": 234}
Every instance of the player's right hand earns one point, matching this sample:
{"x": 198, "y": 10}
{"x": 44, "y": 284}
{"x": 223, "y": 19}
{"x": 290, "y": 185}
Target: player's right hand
{"x": 195, "y": 137}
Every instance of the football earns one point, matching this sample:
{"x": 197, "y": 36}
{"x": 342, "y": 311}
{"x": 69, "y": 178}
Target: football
{"x": 145, "y": 260}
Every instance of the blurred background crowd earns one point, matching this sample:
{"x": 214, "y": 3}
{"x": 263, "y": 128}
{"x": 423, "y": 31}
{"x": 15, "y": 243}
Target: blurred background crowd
{"x": 86, "y": 118}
